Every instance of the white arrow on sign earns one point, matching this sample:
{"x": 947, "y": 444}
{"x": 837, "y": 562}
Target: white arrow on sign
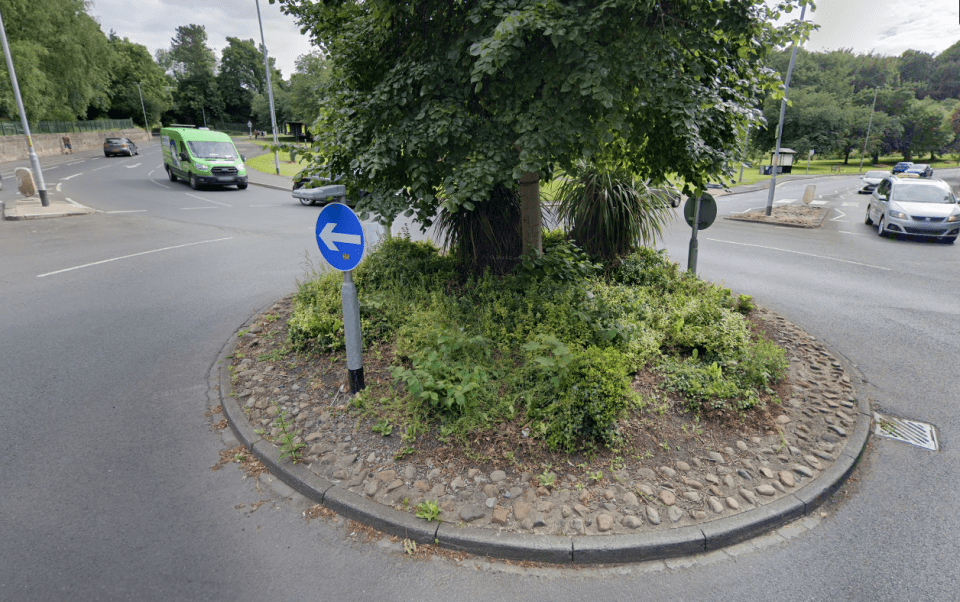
{"x": 328, "y": 236}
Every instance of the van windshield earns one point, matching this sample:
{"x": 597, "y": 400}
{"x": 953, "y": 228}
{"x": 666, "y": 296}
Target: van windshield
{"x": 212, "y": 150}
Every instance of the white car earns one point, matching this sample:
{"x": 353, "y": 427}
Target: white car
{"x": 916, "y": 207}
{"x": 869, "y": 181}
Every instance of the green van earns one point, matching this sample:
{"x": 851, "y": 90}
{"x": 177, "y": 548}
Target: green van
{"x": 201, "y": 157}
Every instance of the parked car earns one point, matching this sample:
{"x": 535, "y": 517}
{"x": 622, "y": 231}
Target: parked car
{"x": 915, "y": 207}
{"x": 902, "y": 166}
{"x": 119, "y": 146}
{"x": 869, "y": 181}
{"x": 921, "y": 169}
{"x": 311, "y": 189}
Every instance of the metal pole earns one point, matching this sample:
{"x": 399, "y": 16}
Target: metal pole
{"x": 869, "y": 123}
{"x": 204, "y": 116}
{"x": 273, "y": 113}
{"x": 743, "y": 158}
{"x": 694, "y": 244}
{"x": 146, "y": 125}
{"x": 351, "y": 331}
{"x": 783, "y": 111}
{"x": 34, "y": 161}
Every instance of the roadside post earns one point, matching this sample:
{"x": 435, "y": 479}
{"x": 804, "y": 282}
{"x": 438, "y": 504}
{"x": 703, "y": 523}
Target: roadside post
{"x": 341, "y": 242}
{"x": 699, "y": 211}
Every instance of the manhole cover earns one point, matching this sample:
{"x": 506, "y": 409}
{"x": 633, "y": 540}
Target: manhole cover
{"x": 909, "y": 431}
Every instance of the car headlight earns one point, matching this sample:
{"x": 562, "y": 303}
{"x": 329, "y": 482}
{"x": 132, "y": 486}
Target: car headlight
{"x": 201, "y": 167}
{"x": 954, "y": 218}
{"x": 898, "y": 215}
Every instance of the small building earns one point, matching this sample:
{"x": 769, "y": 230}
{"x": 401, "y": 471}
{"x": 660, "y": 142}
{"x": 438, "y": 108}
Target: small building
{"x": 299, "y": 130}
{"x": 786, "y": 160}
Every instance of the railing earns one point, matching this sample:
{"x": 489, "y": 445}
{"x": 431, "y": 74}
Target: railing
{"x": 13, "y": 128}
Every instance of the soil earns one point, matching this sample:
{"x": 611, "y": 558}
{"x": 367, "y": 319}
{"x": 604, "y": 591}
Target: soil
{"x": 698, "y": 459}
{"x": 797, "y": 216}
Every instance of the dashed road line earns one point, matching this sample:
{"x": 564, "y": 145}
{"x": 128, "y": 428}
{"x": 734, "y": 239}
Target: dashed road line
{"x": 73, "y": 176}
{"x": 207, "y": 200}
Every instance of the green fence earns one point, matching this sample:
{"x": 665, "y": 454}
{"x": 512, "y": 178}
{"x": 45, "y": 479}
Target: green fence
{"x": 13, "y": 128}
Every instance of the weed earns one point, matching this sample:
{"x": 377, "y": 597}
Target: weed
{"x": 403, "y": 452}
{"x": 383, "y": 427}
{"x": 409, "y": 547}
{"x": 289, "y": 445}
{"x": 546, "y": 478}
{"x": 596, "y": 477}
{"x": 429, "y": 511}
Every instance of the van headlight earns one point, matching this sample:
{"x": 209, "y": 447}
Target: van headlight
{"x": 201, "y": 167}
{"x": 954, "y": 218}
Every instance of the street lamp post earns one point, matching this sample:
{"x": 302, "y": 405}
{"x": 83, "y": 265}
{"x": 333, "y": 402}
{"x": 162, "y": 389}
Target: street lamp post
{"x": 869, "y": 123}
{"x": 273, "y": 113}
{"x": 146, "y": 125}
{"x": 34, "y": 161}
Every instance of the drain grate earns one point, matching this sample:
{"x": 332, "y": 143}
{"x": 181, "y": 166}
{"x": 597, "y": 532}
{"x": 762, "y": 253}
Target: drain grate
{"x": 909, "y": 431}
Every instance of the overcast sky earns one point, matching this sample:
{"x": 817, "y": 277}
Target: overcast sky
{"x": 886, "y": 27}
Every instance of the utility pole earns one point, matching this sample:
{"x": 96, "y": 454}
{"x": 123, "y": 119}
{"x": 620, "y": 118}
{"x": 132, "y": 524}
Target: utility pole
{"x": 743, "y": 158}
{"x": 273, "y": 113}
{"x": 34, "y": 161}
{"x": 783, "y": 111}
{"x": 869, "y": 123}
{"x": 146, "y": 125}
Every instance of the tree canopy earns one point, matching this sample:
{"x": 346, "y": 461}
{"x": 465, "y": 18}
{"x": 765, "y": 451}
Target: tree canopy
{"x": 451, "y": 100}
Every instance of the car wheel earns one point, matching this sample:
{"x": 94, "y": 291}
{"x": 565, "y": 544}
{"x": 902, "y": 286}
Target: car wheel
{"x": 193, "y": 182}
{"x": 106, "y": 155}
{"x": 171, "y": 175}
{"x": 241, "y": 186}
{"x": 866, "y": 218}
{"x": 881, "y": 226}
{"x": 307, "y": 202}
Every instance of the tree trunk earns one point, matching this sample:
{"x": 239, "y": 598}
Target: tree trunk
{"x": 530, "y": 213}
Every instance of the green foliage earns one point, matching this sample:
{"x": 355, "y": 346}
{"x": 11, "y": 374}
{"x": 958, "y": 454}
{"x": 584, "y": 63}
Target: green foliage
{"x": 316, "y": 318}
{"x": 562, "y": 261}
{"x": 383, "y": 427}
{"x": 458, "y": 99}
{"x": 289, "y": 446}
{"x": 429, "y": 511}
{"x": 547, "y": 478}
{"x": 610, "y": 212}
{"x": 402, "y": 263}
{"x": 593, "y": 395}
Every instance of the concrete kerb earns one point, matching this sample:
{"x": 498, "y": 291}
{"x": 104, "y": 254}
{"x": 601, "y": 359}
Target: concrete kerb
{"x": 588, "y": 549}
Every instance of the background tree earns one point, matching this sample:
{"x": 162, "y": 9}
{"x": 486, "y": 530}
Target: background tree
{"x": 452, "y": 101}
{"x": 241, "y": 76}
{"x": 62, "y": 58}
{"x": 926, "y": 129}
{"x": 306, "y": 84}
{"x": 132, "y": 63}
{"x": 192, "y": 64}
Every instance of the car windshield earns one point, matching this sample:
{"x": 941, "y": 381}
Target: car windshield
{"x": 922, "y": 194}
{"x": 114, "y": 141}
{"x": 212, "y": 150}
{"x": 875, "y": 175}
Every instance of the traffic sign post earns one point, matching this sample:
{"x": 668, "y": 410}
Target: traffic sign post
{"x": 341, "y": 242}
{"x": 699, "y": 212}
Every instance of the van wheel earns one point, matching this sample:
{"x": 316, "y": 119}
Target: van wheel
{"x": 193, "y": 182}
{"x": 241, "y": 186}
{"x": 171, "y": 175}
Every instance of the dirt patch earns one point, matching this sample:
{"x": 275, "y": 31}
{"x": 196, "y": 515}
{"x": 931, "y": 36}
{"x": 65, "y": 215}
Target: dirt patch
{"x": 796, "y": 216}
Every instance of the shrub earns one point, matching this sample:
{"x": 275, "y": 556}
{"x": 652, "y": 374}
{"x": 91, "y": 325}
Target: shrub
{"x": 414, "y": 266}
{"x": 593, "y": 395}
{"x": 315, "y": 320}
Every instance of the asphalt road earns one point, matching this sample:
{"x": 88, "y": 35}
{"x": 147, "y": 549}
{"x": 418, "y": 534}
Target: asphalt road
{"x": 110, "y": 325}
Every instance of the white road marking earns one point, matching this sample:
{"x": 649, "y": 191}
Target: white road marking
{"x": 73, "y": 176}
{"x": 75, "y": 163}
{"x": 818, "y": 203}
{"x": 158, "y": 183}
{"x": 128, "y": 211}
{"x": 836, "y": 219}
{"x": 849, "y": 204}
{"x": 270, "y": 205}
{"x": 853, "y": 233}
{"x": 207, "y": 200}
{"x": 150, "y": 173}
{"x": 99, "y": 168}
{"x": 134, "y": 165}
{"x": 73, "y": 202}
{"x": 730, "y": 242}
{"x": 192, "y": 208}
{"x": 87, "y": 265}
{"x": 59, "y": 184}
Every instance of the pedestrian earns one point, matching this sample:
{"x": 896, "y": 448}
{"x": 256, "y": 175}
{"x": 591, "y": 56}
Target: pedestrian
{"x": 67, "y": 147}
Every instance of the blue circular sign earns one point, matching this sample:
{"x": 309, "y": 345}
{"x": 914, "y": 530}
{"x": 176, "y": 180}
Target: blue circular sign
{"x": 340, "y": 237}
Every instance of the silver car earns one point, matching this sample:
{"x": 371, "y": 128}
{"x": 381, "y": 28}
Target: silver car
{"x": 915, "y": 207}
{"x": 869, "y": 181}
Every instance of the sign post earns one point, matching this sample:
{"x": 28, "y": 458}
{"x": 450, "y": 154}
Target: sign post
{"x": 699, "y": 211}
{"x": 341, "y": 242}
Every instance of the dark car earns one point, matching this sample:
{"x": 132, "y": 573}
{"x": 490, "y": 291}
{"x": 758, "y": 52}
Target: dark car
{"x": 921, "y": 169}
{"x": 119, "y": 146}
{"x": 902, "y": 166}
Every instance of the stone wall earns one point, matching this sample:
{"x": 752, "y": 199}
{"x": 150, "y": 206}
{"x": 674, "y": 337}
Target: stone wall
{"x": 14, "y": 148}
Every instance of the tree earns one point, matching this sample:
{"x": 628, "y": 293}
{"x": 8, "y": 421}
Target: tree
{"x": 132, "y": 64}
{"x": 916, "y": 67}
{"x": 926, "y": 129}
{"x": 241, "y": 77}
{"x": 453, "y": 100}
{"x": 306, "y": 83}
{"x": 814, "y": 120}
{"x": 61, "y": 56}
{"x": 189, "y": 54}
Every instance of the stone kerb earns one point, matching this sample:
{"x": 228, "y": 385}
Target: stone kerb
{"x": 14, "y": 148}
